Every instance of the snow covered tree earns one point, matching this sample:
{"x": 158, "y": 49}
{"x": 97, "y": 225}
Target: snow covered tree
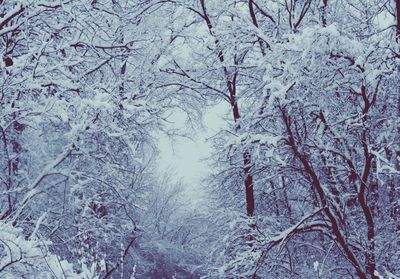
{"x": 305, "y": 173}
{"x": 78, "y": 117}
{"x": 311, "y": 87}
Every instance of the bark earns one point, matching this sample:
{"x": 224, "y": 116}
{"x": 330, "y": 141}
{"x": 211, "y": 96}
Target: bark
{"x": 313, "y": 178}
{"x": 275, "y": 198}
{"x": 8, "y": 181}
{"x": 248, "y": 182}
{"x": 122, "y": 86}
{"x": 323, "y": 16}
{"x": 9, "y": 16}
{"x": 370, "y": 252}
{"x": 398, "y": 19}
{"x": 255, "y": 23}
{"x": 231, "y": 87}
{"x": 370, "y": 261}
{"x": 395, "y": 212}
{"x": 287, "y": 204}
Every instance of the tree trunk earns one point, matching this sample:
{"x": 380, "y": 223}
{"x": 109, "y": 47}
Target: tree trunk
{"x": 323, "y": 15}
{"x": 231, "y": 87}
{"x": 398, "y": 19}
{"x": 255, "y": 23}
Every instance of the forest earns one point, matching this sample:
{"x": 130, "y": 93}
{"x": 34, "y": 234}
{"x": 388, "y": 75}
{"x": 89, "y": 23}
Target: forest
{"x": 303, "y": 180}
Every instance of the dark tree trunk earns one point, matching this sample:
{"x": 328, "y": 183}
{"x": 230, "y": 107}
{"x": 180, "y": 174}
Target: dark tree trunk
{"x": 314, "y": 180}
{"x": 231, "y": 87}
{"x": 254, "y": 20}
{"x": 323, "y": 16}
{"x": 398, "y": 19}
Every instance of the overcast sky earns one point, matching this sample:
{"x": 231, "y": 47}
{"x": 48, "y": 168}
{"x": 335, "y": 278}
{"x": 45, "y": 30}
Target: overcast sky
{"x": 187, "y": 157}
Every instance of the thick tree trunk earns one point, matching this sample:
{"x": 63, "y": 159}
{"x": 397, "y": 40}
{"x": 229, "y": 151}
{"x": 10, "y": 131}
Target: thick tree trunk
{"x": 248, "y": 182}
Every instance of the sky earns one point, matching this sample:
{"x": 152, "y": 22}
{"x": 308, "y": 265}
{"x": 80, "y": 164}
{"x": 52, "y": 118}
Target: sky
{"x": 186, "y": 157}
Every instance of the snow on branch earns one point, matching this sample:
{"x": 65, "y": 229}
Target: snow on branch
{"x": 284, "y": 236}
{"x": 47, "y": 171}
{"x": 9, "y": 16}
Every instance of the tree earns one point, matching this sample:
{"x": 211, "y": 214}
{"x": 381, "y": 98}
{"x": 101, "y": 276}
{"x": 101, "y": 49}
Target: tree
{"x": 77, "y": 119}
{"x": 312, "y": 106}
{"x": 309, "y": 122}
{"x": 21, "y": 257}
{"x": 326, "y": 89}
